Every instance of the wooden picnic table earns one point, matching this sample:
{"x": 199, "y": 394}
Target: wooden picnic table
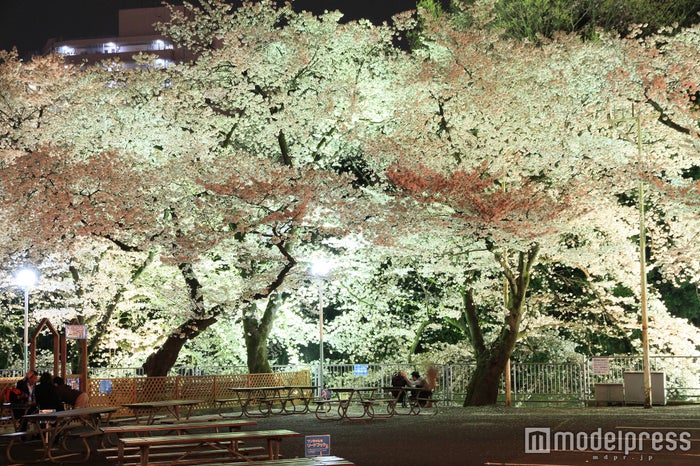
{"x": 148, "y": 410}
{"x": 225, "y": 442}
{"x": 263, "y": 397}
{"x": 342, "y": 398}
{"x": 52, "y": 425}
{"x": 303, "y": 393}
{"x": 270, "y": 400}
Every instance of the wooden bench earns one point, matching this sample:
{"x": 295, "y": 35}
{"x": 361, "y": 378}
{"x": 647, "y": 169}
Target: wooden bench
{"x": 132, "y": 419}
{"x": 13, "y": 437}
{"x": 193, "y": 446}
{"x": 13, "y": 412}
{"x": 176, "y": 428}
{"x": 191, "y": 419}
{"x": 317, "y": 461}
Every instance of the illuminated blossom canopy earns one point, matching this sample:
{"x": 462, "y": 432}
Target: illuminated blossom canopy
{"x": 167, "y": 204}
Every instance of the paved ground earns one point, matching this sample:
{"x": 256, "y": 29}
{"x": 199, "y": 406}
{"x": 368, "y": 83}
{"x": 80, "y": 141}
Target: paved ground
{"x": 667, "y": 435}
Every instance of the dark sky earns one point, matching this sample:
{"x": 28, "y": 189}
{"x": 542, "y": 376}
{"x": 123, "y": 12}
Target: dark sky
{"x": 28, "y": 24}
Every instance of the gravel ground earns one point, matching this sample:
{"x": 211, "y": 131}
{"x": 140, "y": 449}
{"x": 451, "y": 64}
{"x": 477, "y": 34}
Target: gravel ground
{"x": 496, "y": 435}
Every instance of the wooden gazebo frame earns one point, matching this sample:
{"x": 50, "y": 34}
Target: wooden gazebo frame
{"x": 60, "y": 352}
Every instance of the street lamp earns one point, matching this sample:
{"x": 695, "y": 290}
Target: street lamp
{"x": 26, "y": 278}
{"x": 637, "y": 120}
{"x": 320, "y": 269}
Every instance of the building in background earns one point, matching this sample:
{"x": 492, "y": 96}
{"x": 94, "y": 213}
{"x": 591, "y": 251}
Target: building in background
{"x": 136, "y": 35}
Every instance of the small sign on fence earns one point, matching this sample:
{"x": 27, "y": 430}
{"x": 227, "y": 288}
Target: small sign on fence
{"x": 318, "y": 445}
{"x": 601, "y": 366}
{"x": 360, "y": 369}
{"x": 105, "y": 387}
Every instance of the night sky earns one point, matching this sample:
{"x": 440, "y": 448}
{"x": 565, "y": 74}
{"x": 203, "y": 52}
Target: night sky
{"x": 28, "y": 24}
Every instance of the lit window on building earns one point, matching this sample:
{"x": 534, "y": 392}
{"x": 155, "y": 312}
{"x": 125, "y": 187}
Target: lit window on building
{"x": 66, "y": 50}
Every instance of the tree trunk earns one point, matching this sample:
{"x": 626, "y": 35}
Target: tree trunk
{"x": 163, "y": 359}
{"x": 256, "y": 334}
{"x": 484, "y": 382}
{"x": 491, "y": 360}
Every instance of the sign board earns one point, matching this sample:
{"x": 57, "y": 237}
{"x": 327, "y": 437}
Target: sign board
{"x": 76, "y": 332}
{"x": 601, "y": 366}
{"x": 360, "y": 369}
{"x": 317, "y": 445}
{"x": 105, "y": 387}
{"x": 73, "y": 382}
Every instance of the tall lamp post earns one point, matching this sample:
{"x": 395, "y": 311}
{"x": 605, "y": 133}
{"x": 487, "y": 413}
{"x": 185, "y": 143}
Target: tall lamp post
{"x": 320, "y": 269}
{"x": 637, "y": 120}
{"x": 26, "y": 278}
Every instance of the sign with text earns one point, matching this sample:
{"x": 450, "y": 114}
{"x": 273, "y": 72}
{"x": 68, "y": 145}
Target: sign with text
{"x": 360, "y": 369}
{"x": 317, "y": 445}
{"x": 76, "y": 332}
{"x": 601, "y": 366}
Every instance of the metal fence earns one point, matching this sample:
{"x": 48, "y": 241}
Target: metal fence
{"x": 569, "y": 382}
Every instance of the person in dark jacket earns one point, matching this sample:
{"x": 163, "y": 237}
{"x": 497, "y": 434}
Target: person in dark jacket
{"x": 46, "y": 394}
{"x": 26, "y": 387}
{"x": 70, "y": 395}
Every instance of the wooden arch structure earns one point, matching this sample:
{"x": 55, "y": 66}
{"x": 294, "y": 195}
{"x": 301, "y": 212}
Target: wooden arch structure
{"x": 60, "y": 352}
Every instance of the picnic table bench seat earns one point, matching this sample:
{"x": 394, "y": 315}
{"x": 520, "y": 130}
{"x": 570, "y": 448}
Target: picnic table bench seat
{"x": 163, "y": 429}
{"x": 193, "y": 446}
{"x": 317, "y": 461}
{"x": 191, "y": 419}
{"x": 230, "y": 424}
{"x": 13, "y": 437}
{"x": 169, "y": 455}
{"x": 115, "y": 421}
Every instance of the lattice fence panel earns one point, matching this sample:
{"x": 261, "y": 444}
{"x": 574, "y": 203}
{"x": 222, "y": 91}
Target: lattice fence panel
{"x": 118, "y": 391}
{"x": 7, "y": 382}
{"x": 197, "y": 388}
{"x": 156, "y": 388}
{"x": 229, "y": 380}
{"x": 112, "y": 392}
{"x": 265, "y": 380}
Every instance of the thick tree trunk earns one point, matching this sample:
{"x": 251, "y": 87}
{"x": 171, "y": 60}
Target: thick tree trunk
{"x": 256, "y": 331}
{"x": 491, "y": 360}
{"x": 484, "y": 382}
{"x": 163, "y": 359}
{"x": 256, "y": 334}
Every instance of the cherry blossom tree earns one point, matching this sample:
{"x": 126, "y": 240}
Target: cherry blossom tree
{"x": 516, "y": 143}
{"x": 471, "y": 163}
